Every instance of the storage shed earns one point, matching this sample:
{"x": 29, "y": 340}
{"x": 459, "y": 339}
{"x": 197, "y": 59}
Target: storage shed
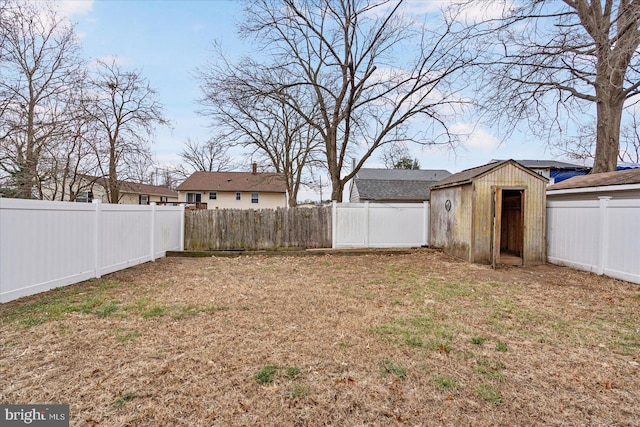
{"x": 491, "y": 214}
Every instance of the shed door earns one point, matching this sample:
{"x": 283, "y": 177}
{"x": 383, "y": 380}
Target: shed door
{"x": 512, "y": 217}
{"x": 507, "y": 239}
{"x": 496, "y": 226}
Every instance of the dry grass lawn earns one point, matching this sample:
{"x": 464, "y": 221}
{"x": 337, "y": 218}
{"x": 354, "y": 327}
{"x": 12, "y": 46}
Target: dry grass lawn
{"x": 406, "y": 339}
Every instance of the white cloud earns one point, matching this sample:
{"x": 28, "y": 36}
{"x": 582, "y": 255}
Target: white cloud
{"x": 74, "y": 7}
{"x": 474, "y": 137}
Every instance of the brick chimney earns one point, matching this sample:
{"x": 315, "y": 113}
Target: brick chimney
{"x": 254, "y": 168}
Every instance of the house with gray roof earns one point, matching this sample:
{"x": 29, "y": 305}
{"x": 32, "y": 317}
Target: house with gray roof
{"x": 394, "y": 185}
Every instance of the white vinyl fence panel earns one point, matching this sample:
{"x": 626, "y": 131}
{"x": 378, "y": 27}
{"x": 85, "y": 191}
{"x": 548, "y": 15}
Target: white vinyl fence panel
{"x": 380, "y": 225}
{"x": 601, "y": 236}
{"x": 46, "y": 244}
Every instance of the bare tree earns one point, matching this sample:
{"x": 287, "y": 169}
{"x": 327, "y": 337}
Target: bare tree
{"x": 630, "y": 140}
{"x": 397, "y": 156}
{"x": 550, "y": 61}
{"x": 208, "y": 156}
{"x": 40, "y": 66}
{"x": 582, "y": 147}
{"x": 351, "y": 83}
{"x": 70, "y": 162}
{"x": 250, "y": 115}
{"x": 125, "y": 109}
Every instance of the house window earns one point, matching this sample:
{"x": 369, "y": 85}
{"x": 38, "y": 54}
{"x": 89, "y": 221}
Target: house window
{"x": 238, "y": 196}
{"x": 143, "y": 200}
{"x": 84, "y": 197}
{"x": 213, "y": 195}
{"x": 194, "y": 197}
{"x": 254, "y": 197}
{"x": 164, "y": 199}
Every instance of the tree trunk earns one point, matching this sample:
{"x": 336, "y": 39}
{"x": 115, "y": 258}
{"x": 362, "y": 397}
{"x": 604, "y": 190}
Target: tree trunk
{"x": 609, "y": 115}
{"x": 30, "y": 166}
{"x": 114, "y": 190}
{"x": 337, "y": 188}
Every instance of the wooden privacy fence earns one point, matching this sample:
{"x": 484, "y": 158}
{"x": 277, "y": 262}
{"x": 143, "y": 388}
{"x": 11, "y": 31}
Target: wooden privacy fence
{"x": 228, "y": 229}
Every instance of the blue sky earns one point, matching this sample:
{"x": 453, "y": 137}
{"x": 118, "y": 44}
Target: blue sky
{"x": 168, "y": 40}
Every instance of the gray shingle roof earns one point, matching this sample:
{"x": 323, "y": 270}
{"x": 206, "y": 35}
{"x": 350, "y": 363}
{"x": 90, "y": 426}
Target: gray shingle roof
{"x": 403, "y": 174}
{"x": 396, "y": 184}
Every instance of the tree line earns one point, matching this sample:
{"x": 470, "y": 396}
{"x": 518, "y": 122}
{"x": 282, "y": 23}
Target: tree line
{"x": 64, "y": 119}
{"x": 329, "y": 81}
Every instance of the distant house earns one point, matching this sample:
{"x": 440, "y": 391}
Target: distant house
{"x": 238, "y": 190}
{"x": 553, "y": 170}
{"x": 623, "y": 184}
{"x": 394, "y": 185}
{"x": 131, "y": 193}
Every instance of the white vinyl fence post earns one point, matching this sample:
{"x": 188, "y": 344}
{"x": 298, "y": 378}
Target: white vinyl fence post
{"x": 182, "y": 224}
{"x": 603, "y": 233}
{"x": 366, "y": 224}
{"x": 153, "y": 231}
{"x": 334, "y": 223}
{"x": 96, "y": 249}
{"x": 425, "y": 223}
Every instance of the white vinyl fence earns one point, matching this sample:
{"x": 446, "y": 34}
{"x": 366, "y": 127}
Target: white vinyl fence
{"x": 46, "y": 244}
{"x": 601, "y": 236}
{"x": 380, "y": 225}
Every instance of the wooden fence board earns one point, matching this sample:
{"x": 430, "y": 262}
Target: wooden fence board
{"x": 229, "y": 229}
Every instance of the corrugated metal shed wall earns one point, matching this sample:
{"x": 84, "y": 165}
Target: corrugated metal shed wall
{"x": 510, "y": 177}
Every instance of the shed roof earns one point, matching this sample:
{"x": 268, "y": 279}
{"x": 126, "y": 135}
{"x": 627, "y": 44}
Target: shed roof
{"x": 468, "y": 175}
{"x": 397, "y": 184}
{"x": 551, "y": 164}
{"x": 234, "y": 181}
{"x": 621, "y": 177}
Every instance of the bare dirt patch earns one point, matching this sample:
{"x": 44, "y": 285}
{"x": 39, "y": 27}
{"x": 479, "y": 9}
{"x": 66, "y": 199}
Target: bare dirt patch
{"x": 415, "y": 339}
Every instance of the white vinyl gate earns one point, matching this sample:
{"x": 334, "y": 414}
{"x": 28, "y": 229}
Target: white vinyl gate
{"x": 380, "y": 225}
